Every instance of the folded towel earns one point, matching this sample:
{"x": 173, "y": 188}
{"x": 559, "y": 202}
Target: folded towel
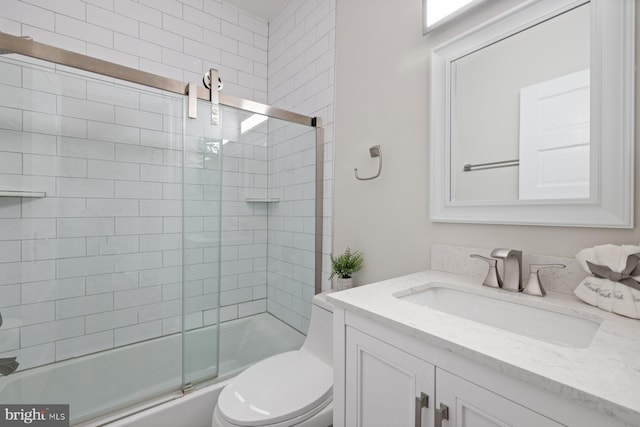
{"x": 610, "y": 293}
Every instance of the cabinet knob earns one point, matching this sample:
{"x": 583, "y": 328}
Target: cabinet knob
{"x": 422, "y": 401}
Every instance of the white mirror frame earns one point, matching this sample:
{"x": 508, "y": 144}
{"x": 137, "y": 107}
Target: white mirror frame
{"x": 612, "y": 121}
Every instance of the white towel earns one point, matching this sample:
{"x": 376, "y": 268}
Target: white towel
{"x": 603, "y": 293}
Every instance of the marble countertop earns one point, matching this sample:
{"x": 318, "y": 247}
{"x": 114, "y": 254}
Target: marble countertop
{"x": 604, "y": 376}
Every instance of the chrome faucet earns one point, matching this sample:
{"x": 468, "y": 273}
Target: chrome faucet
{"x": 512, "y": 263}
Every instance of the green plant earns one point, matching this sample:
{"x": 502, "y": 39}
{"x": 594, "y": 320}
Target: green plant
{"x": 346, "y": 264}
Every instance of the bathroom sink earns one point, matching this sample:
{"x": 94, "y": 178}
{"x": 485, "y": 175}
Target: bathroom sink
{"x": 533, "y": 322}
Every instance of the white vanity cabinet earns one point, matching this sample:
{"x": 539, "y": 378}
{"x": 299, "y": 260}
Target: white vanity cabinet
{"x": 386, "y": 386}
{"x": 384, "y": 378}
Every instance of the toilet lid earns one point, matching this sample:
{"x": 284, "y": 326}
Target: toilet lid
{"x": 277, "y": 389}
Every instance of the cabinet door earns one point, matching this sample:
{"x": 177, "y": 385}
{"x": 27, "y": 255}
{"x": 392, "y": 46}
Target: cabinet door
{"x": 386, "y": 387}
{"x": 470, "y": 405}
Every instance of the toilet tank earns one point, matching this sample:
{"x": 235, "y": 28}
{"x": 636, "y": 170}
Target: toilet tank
{"x": 319, "y": 341}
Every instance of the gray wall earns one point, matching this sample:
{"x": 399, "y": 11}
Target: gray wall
{"x": 382, "y": 97}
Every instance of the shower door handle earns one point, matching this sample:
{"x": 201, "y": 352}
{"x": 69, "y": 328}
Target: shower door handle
{"x": 422, "y": 401}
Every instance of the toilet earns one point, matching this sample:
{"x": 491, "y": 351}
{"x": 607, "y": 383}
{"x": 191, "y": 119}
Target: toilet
{"x": 290, "y": 389}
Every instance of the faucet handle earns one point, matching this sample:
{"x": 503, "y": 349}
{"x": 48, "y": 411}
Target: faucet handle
{"x": 534, "y": 285}
{"x": 493, "y": 279}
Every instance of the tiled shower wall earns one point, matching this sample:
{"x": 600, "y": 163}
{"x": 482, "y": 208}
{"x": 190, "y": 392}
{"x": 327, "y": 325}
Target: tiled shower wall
{"x": 112, "y": 177}
{"x": 179, "y": 40}
{"x": 301, "y": 79}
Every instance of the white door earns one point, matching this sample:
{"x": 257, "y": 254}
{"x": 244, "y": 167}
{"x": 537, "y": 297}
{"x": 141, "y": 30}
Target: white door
{"x": 470, "y": 405}
{"x": 554, "y": 138}
{"x": 384, "y": 385}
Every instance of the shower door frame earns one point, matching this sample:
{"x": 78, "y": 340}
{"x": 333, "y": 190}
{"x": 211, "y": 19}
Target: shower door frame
{"x": 33, "y": 49}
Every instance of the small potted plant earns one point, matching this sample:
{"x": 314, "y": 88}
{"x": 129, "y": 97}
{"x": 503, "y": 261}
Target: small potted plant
{"x": 343, "y": 266}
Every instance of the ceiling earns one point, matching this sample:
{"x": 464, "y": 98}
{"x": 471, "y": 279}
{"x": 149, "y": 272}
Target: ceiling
{"x": 265, "y": 9}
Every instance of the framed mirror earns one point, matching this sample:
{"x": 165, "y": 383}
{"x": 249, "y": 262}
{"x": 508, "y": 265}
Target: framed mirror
{"x": 532, "y": 117}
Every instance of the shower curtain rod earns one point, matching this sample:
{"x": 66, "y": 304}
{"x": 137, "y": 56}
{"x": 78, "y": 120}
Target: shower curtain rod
{"x": 24, "y": 46}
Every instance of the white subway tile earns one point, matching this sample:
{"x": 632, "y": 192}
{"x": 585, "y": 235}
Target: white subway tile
{"x": 136, "y": 333}
{"x": 138, "y": 190}
{"x": 86, "y": 266}
{"x": 9, "y": 339}
{"x": 26, "y": 99}
{"x": 10, "y": 118}
{"x": 52, "y": 290}
{"x": 51, "y": 331}
{"x": 112, "y": 282}
{"x": 9, "y": 295}
{"x": 111, "y": 94}
{"x": 143, "y": 13}
{"x": 167, "y": 104}
{"x": 137, "y": 297}
{"x": 84, "y": 305}
{"x": 10, "y": 74}
{"x": 84, "y": 227}
{"x": 50, "y": 207}
{"x": 137, "y": 118}
{"x": 86, "y": 344}
{"x": 84, "y": 109}
{"x": 28, "y": 14}
{"x": 113, "y": 170}
{"x": 160, "y": 242}
{"x": 55, "y": 39}
{"x": 138, "y": 154}
{"x": 160, "y": 37}
{"x": 160, "y": 276}
{"x": 210, "y": 54}
{"x": 54, "y": 125}
{"x": 73, "y": 8}
{"x": 160, "y": 310}
{"x": 181, "y": 60}
{"x": 200, "y": 19}
{"x": 52, "y": 249}
{"x": 51, "y": 82}
{"x": 252, "y": 307}
{"x": 137, "y": 47}
{"x": 83, "y": 31}
{"x": 113, "y": 133}
{"x": 110, "y": 320}
{"x": 112, "y": 245}
{"x": 31, "y": 357}
{"x": 17, "y": 229}
{"x": 143, "y": 225}
{"x": 112, "y": 21}
{"x": 10, "y": 251}
{"x": 225, "y": 12}
{"x": 183, "y": 28}
{"x": 254, "y": 24}
{"x": 83, "y": 148}
{"x": 80, "y": 187}
{"x": 137, "y": 261}
{"x": 160, "y": 207}
{"x": 105, "y": 4}
{"x": 111, "y": 55}
{"x": 54, "y": 166}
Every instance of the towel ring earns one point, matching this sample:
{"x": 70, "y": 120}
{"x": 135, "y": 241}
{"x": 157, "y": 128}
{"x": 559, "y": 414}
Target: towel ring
{"x": 374, "y": 151}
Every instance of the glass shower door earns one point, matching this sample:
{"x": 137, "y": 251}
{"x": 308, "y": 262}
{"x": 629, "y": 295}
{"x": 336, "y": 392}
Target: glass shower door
{"x": 202, "y": 166}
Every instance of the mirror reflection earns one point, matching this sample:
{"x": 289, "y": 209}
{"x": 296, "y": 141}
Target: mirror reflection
{"x": 520, "y": 115}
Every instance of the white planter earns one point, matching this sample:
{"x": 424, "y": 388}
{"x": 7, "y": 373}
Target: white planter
{"x": 342, "y": 284}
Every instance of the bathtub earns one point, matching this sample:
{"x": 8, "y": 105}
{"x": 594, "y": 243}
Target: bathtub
{"x": 98, "y": 386}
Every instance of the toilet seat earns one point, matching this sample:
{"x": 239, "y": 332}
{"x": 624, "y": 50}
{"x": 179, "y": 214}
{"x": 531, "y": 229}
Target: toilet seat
{"x": 291, "y": 386}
